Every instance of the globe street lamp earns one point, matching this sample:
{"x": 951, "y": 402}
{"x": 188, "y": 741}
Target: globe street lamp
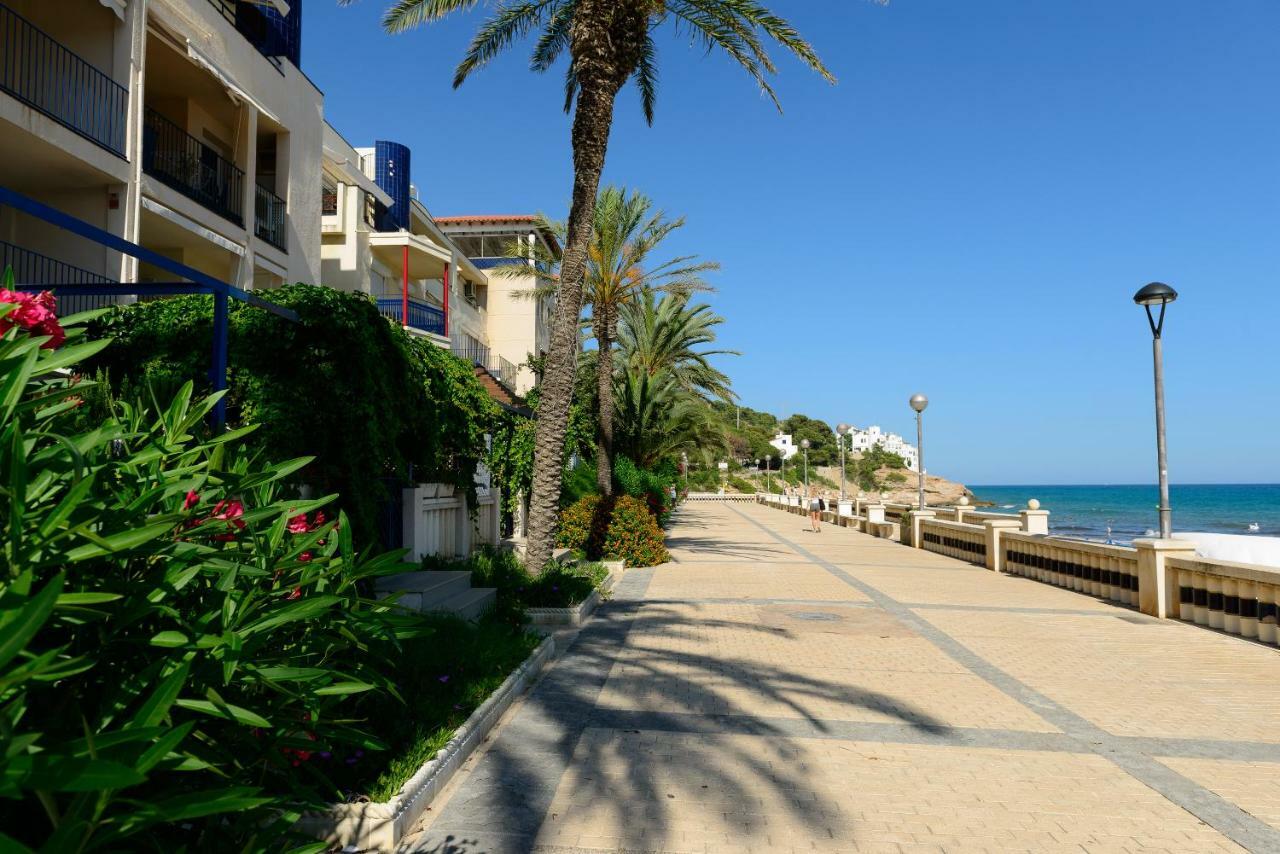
{"x": 918, "y": 403}
{"x": 724, "y": 475}
{"x": 684, "y": 464}
{"x": 804, "y": 443}
{"x": 841, "y": 430}
{"x": 1158, "y": 293}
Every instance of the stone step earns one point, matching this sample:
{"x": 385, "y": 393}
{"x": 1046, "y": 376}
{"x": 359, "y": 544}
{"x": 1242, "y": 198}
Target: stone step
{"x": 469, "y": 604}
{"x": 431, "y": 586}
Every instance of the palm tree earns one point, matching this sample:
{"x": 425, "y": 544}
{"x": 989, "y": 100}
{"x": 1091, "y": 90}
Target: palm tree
{"x": 608, "y": 42}
{"x": 663, "y": 334}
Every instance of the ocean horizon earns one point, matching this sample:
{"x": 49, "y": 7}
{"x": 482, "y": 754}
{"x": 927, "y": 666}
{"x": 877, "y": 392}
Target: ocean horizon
{"x": 1123, "y": 512}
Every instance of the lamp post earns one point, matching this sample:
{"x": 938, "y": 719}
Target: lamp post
{"x": 804, "y": 444}
{"x": 684, "y": 464}
{"x": 724, "y": 475}
{"x": 1159, "y": 294}
{"x": 841, "y": 430}
{"x": 918, "y": 403}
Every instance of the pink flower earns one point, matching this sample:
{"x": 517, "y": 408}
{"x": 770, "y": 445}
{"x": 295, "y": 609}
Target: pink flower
{"x": 298, "y": 524}
{"x": 295, "y": 594}
{"x": 191, "y": 500}
{"x": 305, "y": 557}
{"x": 35, "y": 314}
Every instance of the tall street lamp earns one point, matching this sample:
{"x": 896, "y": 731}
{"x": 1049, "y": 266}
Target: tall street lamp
{"x": 684, "y": 464}
{"x": 1158, "y": 293}
{"x": 804, "y": 444}
{"x": 841, "y": 430}
{"x": 918, "y": 403}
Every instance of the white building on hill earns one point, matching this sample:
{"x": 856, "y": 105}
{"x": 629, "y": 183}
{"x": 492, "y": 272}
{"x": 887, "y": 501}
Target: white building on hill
{"x": 786, "y": 449}
{"x": 865, "y": 440}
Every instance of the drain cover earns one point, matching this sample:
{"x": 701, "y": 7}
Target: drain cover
{"x": 816, "y": 616}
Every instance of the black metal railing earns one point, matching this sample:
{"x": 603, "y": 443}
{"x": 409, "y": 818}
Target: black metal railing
{"x": 33, "y": 268}
{"x": 479, "y": 354}
{"x": 186, "y": 164}
{"x": 268, "y": 217}
{"x": 422, "y": 316}
{"x": 273, "y": 35}
{"x": 43, "y": 73}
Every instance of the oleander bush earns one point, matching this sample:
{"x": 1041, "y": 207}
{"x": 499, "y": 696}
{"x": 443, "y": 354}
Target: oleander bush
{"x": 181, "y": 645}
{"x": 619, "y": 527}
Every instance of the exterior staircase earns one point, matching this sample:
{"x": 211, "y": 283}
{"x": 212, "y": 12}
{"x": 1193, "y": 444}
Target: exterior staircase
{"x": 445, "y": 591}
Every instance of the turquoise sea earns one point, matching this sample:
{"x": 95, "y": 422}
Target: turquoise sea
{"x": 1130, "y": 510}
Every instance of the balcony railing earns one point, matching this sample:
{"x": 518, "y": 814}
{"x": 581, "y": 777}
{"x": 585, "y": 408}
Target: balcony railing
{"x": 32, "y": 268}
{"x": 422, "y": 316}
{"x": 273, "y": 35}
{"x": 478, "y": 354}
{"x": 44, "y": 74}
{"x": 186, "y": 164}
{"x": 268, "y": 222}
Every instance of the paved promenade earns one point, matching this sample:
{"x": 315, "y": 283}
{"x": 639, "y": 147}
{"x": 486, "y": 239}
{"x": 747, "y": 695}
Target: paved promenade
{"x": 774, "y": 690}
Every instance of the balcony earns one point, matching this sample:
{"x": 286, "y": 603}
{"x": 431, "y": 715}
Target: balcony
{"x": 176, "y": 158}
{"x": 275, "y": 36}
{"x": 422, "y": 315}
{"x": 45, "y": 75}
{"x": 32, "y": 268}
{"x": 268, "y": 222}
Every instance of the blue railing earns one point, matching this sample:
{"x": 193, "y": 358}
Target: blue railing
{"x": 268, "y": 217}
{"x": 41, "y": 72}
{"x": 186, "y": 164}
{"x": 32, "y": 268}
{"x": 422, "y": 316}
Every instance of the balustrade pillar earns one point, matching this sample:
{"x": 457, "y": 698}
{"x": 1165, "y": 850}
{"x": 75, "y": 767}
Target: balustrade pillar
{"x": 1157, "y": 592}
{"x": 992, "y": 529}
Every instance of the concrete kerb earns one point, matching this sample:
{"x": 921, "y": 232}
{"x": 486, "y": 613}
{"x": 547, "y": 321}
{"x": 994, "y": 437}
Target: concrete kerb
{"x": 580, "y": 613}
{"x": 381, "y": 826}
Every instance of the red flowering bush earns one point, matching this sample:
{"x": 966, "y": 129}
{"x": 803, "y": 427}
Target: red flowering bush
{"x": 34, "y": 313}
{"x": 634, "y": 535}
{"x": 617, "y": 527}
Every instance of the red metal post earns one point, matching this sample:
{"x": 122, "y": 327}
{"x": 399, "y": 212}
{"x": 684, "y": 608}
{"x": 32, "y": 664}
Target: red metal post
{"x": 446, "y": 300}
{"x": 404, "y": 287}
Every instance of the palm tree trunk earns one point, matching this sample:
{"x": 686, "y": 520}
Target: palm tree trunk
{"x": 592, "y": 120}
{"x": 604, "y": 389}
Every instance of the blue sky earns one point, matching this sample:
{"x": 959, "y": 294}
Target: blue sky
{"x": 967, "y": 213}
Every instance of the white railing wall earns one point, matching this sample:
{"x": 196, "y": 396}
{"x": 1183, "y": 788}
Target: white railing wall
{"x": 438, "y": 521}
{"x": 1107, "y": 572}
{"x": 954, "y": 539}
{"x": 1238, "y": 598}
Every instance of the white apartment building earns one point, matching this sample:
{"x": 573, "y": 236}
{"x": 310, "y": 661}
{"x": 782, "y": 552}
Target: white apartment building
{"x": 184, "y": 126}
{"x": 863, "y": 440}
{"x": 378, "y": 238}
{"x": 518, "y": 326}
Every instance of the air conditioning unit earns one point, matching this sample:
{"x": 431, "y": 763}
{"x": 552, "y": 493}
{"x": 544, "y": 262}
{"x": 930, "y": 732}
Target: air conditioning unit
{"x": 469, "y": 292}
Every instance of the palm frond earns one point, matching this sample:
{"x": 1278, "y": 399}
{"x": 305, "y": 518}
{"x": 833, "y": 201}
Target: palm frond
{"x": 508, "y": 24}
{"x": 555, "y": 38}
{"x": 646, "y": 77}
{"x": 406, "y": 14}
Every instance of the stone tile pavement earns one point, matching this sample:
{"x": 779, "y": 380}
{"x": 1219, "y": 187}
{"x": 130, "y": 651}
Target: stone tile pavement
{"x": 773, "y": 690}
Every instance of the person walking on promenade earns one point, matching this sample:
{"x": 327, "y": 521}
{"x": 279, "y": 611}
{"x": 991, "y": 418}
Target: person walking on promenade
{"x": 815, "y": 511}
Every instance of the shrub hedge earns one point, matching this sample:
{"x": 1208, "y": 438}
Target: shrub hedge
{"x": 367, "y": 400}
{"x": 611, "y": 528}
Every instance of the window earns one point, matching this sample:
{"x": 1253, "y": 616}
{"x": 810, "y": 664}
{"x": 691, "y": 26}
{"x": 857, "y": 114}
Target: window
{"x": 328, "y": 196}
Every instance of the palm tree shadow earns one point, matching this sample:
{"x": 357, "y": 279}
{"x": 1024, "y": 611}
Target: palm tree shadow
{"x": 656, "y": 740}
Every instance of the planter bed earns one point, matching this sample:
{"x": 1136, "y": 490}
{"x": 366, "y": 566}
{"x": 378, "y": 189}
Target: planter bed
{"x": 576, "y": 615}
{"x": 381, "y": 826}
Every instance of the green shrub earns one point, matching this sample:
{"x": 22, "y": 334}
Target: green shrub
{"x": 178, "y": 641}
{"x": 651, "y": 485}
{"x": 363, "y": 397}
{"x": 577, "y": 483}
{"x": 619, "y": 527}
{"x": 634, "y": 535}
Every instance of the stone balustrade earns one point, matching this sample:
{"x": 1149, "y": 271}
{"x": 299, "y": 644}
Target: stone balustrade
{"x": 954, "y": 539}
{"x": 1238, "y": 598}
{"x": 1107, "y": 572}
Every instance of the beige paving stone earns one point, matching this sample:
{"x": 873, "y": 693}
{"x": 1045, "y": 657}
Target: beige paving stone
{"x": 1253, "y": 786}
{"x": 729, "y": 793}
{"x": 1152, "y": 679}
{"x": 754, "y": 580}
